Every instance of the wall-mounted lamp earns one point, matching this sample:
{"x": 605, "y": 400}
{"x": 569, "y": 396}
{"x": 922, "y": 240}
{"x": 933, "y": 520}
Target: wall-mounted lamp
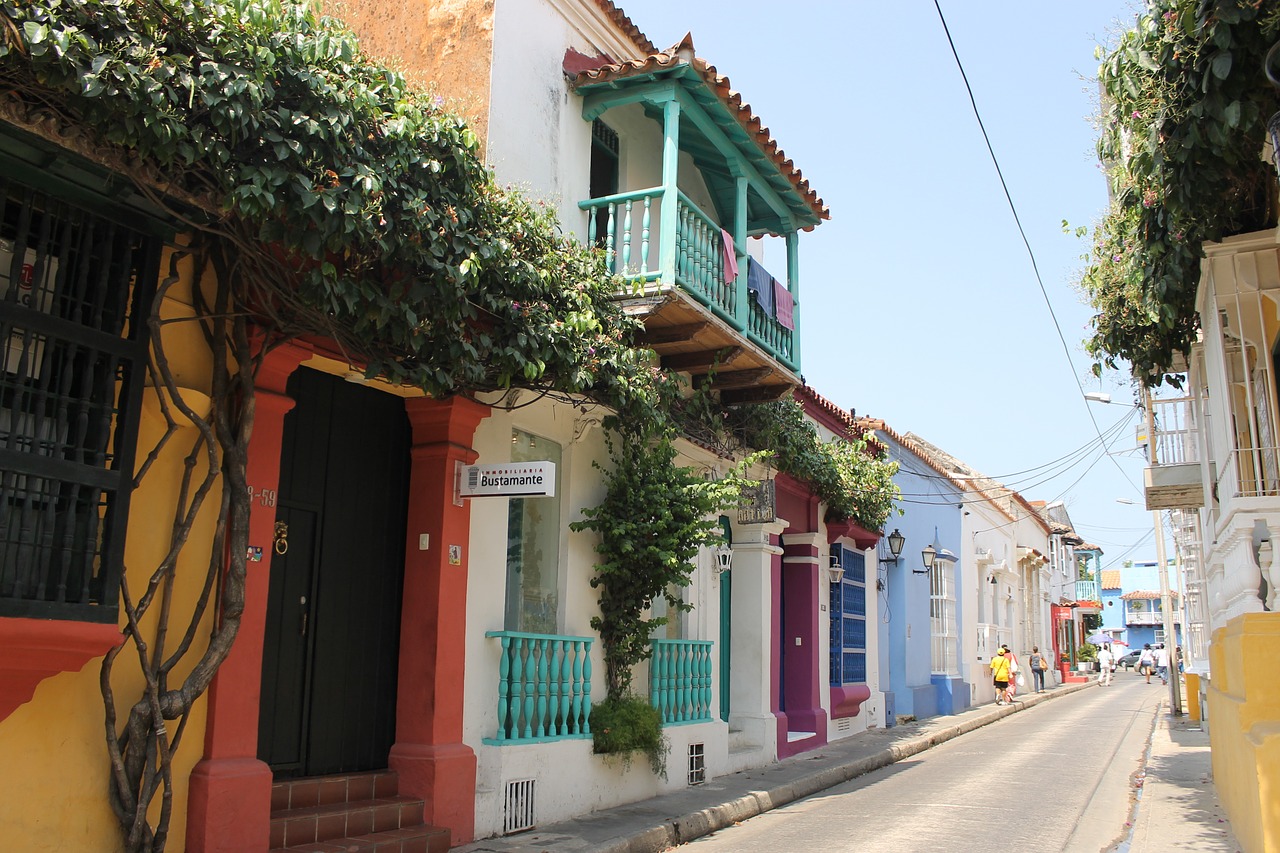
{"x": 931, "y": 553}
{"x": 896, "y": 540}
{"x": 724, "y": 558}
{"x": 835, "y": 569}
{"x": 928, "y": 555}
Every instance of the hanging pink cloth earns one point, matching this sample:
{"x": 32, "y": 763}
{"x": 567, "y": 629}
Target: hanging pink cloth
{"x": 783, "y": 305}
{"x": 730, "y": 253}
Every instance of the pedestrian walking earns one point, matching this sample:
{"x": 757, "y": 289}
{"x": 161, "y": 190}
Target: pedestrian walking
{"x": 1039, "y": 666}
{"x": 1147, "y": 661}
{"x": 1000, "y": 676}
{"x": 1016, "y": 677}
{"x": 1162, "y": 663}
{"x": 1106, "y": 665}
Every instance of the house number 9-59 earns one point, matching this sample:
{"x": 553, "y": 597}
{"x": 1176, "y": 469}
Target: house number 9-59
{"x": 266, "y": 497}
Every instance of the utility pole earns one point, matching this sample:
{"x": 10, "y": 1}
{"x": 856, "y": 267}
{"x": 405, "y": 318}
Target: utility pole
{"x": 1166, "y": 604}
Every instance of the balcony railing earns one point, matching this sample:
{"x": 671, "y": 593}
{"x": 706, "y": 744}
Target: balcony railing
{"x": 1087, "y": 591}
{"x": 680, "y": 680}
{"x": 1143, "y": 617}
{"x": 629, "y": 228}
{"x": 1251, "y": 472}
{"x": 544, "y": 687}
{"x": 1176, "y": 432}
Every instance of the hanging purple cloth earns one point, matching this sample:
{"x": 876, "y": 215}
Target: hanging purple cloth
{"x": 730, "y": 253}
{"x": 760, "y": 285}
{"x": 783, "y": 305}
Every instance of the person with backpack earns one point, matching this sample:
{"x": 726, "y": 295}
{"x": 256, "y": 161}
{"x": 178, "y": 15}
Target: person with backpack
{"x": 1000, "y": 676}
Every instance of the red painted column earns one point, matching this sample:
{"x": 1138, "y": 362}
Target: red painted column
{"x": 229, "y": 800}
{"x": 432, "y": 761}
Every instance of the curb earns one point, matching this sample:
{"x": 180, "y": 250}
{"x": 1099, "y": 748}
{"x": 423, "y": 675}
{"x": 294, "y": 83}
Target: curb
{"x": 687, "y": 827}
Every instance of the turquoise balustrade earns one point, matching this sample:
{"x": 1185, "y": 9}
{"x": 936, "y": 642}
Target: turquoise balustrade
{"x": 680, "y": 680}
{"x": 627, "y": 226}
{"x": 544, "y": 687}
{"x": 700, "y": 261}
{"x": 622, "y": 224}
{"x": 772, "y": 335}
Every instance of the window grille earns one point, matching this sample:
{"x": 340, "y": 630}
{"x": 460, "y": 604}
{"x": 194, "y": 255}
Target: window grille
{"x": 72, "y": 288}
{"x": 518, "y": 814}
{"x": 697, "y": 763}
{"x": 849, "y": 620}
{"x": 605, "y": 136}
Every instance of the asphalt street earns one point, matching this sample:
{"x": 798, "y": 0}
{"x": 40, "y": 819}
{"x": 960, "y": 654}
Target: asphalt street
{"x": 1057, "y": 778}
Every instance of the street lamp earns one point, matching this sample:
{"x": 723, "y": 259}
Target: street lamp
{"x": 1166, "y": 605}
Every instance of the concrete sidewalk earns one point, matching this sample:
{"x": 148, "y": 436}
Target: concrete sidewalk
{"x": 656, "y": 824}
{"x": 1176, "y": 805}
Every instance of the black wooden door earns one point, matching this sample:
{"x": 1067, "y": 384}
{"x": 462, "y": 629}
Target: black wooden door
{"x": 333, "y": 611}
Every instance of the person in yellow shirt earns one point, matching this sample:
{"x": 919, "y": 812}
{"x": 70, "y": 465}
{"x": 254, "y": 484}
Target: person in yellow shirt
{"x": 1000, "y": 676}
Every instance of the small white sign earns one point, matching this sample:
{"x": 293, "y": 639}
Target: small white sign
{"x": 514, "y": 479}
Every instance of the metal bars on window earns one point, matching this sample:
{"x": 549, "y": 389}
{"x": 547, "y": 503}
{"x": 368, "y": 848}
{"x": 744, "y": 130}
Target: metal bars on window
{"x": 71, "y": 287}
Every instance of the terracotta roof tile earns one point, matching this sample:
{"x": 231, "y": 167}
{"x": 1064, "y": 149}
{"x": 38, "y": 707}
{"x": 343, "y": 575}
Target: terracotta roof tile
{"x": 625, "y": 24}
{"x": 684, "y": 53}
{"x": 1110, "y": 578}
{"x": 1140, "y": 595}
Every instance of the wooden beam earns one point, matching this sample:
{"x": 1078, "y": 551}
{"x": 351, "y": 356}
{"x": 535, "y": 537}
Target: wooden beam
{"x": 702, "y": 359}
{"x": 748, "y": 378}
{"x": 758, "y": 394}
{"x": 673, "y": 334}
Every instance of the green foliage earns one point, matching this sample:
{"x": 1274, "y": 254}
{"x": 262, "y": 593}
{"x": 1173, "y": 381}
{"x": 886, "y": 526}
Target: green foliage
{"x": 654, "y": 517}
{"x": 626, "y": 724}
{"x": 1086, "y": 652}
{"x": 849, "y": 473}
{"x": 360, "y": 210}
{"x": 1185, "y": 106}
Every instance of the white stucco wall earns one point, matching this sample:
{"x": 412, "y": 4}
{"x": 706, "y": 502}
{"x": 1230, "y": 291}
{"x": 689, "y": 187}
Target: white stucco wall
{"x": 538, "y": 139}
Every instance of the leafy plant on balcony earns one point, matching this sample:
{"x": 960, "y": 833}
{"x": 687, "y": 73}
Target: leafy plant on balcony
{"x": 1185, "y": 105}
{"x": 321, "y": 197}
{"x": 849, "y": 474}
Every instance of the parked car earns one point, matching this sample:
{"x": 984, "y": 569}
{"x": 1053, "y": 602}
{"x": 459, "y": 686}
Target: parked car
{"x": 1130, "y": 660}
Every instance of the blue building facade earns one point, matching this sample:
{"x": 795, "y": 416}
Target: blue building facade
{"x": 920, "y": 610}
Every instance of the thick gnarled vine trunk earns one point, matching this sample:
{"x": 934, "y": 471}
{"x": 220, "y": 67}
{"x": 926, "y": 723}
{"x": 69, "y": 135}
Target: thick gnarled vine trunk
{"x": 141, "y": 746}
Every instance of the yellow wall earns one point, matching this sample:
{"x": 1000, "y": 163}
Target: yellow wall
{"x": 53, "y": 758}
{"x": 1244, "y": 731}
{"x": 439, "y": 45}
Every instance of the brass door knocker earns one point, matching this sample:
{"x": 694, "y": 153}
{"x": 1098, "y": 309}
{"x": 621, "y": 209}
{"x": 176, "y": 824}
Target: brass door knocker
{"x": 282, "y": 538}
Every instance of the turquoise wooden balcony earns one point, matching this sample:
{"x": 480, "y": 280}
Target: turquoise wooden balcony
{"x": 544, "y": 687}
{"x": 710, "y": 147}
{"x": 680, "y": 680}
{"x": 626, "y": 225}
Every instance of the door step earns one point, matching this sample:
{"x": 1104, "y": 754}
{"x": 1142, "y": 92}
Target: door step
{"x": 350, "y": 813}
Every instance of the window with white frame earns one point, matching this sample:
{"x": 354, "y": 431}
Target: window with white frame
{"x": 849, "y": 619}
{"x": 942, "y": 617}
{"x": 533, "y": 546}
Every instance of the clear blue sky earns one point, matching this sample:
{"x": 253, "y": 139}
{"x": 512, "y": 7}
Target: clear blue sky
{"x": 919, "y": 301}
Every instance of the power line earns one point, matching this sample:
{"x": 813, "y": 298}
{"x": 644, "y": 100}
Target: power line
{"x": 1022, "y": 232}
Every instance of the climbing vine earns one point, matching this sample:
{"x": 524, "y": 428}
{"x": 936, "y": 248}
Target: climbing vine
{"x": 654, "y": 518}
{"x": 849, "y": 473}
{"x": 1185, "y": 106}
